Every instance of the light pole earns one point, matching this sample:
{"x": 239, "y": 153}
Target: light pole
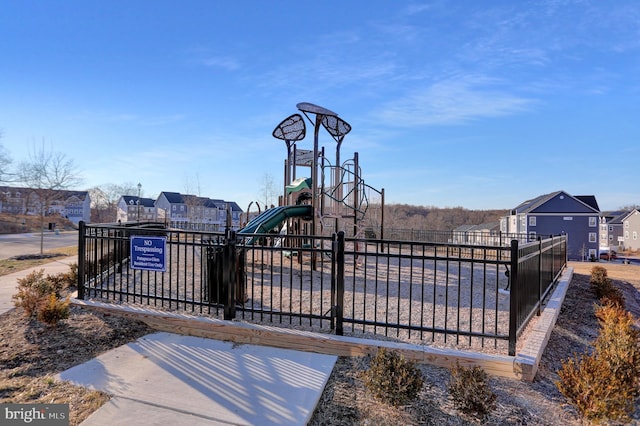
{"x": 139, "y": 188}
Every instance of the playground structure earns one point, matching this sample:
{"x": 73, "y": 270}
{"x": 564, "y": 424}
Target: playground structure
{"x": 333, "y": 196}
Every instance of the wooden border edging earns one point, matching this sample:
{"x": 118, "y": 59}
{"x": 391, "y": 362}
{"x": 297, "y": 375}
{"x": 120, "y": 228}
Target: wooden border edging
{"x": 522, "y": 366}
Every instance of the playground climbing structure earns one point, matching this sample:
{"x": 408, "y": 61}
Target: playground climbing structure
{"x": 335, "y": 189}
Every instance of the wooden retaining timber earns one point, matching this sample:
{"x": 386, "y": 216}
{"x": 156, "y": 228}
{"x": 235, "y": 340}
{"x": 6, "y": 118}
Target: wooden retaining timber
{"x": 523, "y": 366}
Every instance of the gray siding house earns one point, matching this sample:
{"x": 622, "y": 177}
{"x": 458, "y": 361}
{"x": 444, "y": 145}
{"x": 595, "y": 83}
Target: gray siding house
{"x": 197, "y": 213}
{"x": 611, "y": 234}
{"x": 559, "y": 213}
{"x": 73, "y": 205}
{"x": 631, "y": 230}
{"x": 132, "y": 208}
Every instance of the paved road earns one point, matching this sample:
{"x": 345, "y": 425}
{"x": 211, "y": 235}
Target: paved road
{"x": 15, "y": 244}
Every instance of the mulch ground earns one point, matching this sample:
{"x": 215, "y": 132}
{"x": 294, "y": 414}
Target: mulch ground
{"x": 32, "y": 353}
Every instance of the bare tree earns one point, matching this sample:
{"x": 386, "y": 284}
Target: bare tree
{"x": 104, "y": 200}
{"x": 267, "y": 190}
{"x": 5, "y": 163}
{"x": 193, "y": 201}
{"x": 45, "y": 173}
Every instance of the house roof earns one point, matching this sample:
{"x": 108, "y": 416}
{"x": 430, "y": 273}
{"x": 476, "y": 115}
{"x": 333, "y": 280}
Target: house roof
{"x": 483, "y": 227}
{"x": 626, "y": 215}
{"x": 173, "y": 197}
{"x": 60, "y": 193}
{"x": 530, "y": 206}
{"x": 589, "y": 200}
{"x": 615, "y": 217}
{"x": 133, "y": 199}
{"x": 178, "y": 198}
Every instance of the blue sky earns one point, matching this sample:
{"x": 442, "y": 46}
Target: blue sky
{"x": 480, "y": 104}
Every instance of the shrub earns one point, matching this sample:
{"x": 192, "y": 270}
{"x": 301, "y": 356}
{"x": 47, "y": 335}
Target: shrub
{"x": 618, "y": 344}
{"x": 598, "y": 274}
{"x": 53, "y": 310}
{"x": 65, "y": 279}
{"x": 605, "y": 384}
{"x": 470, "y": 391}
{"x": 72, "y": 276}
{"x": 393, "y": 379}
{"x": 32, "y": 291}
{"x": 58, "y": 282}
{"x": 603, "y": 286}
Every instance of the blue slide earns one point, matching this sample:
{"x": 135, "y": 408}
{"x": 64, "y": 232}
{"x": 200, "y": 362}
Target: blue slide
{"x": 272, "y": 218}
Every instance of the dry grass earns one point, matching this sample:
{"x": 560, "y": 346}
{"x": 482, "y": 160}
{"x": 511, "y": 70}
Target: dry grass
{"x": 9, "y": 266}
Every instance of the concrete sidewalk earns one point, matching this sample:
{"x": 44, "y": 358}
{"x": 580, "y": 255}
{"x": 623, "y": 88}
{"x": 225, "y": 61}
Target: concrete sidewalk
{"x": 171, "y": 379}
{"x": 8, "y": 283}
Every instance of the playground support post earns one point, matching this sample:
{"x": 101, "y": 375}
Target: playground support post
{"x": 314, "y": 187}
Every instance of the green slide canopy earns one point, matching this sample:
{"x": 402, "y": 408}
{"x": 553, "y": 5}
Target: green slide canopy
{"x": 298, "y": 185}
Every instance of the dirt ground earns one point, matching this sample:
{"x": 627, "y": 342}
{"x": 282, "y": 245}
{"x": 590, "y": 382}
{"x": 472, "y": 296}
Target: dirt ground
{"x": 31, "y": 354}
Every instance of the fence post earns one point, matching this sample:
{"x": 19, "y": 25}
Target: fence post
{"x": 540, "y": 276}
{"x": 513, "y": 298}
{"x": 229, "y": 275}
{"x": 339, "y": 259}
{"x": 81, "y": 258}
{"x": 334, "y": 251}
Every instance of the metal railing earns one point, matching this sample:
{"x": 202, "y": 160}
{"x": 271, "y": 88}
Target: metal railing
{"x": 440, "y": 293}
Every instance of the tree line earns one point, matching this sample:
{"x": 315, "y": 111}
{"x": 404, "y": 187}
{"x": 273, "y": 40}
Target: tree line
{"x": 404, "y": 216}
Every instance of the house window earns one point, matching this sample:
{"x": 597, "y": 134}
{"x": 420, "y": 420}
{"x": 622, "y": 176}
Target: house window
{"x": 635, "y": 235}
{"x": 626, "y": 223}
{"x": 532, "y": 221}
{"x": 603, "y": 236}
{"x": 532, "y": 236}
{"x": 610, "y": 237}
{"x": 173, "y": 208}
{"x": 611, "y": 229}
{"x": 593, "y": 221}
{"x": 592, "y": 237}
{"x": 626, "y": 235}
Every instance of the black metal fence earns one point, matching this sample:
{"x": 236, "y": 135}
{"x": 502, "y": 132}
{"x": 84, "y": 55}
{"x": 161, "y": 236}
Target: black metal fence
{"x": 442, "y": 293}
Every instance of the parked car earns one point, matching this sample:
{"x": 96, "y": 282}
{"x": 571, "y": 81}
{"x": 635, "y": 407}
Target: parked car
{"x": 608, "y": 255}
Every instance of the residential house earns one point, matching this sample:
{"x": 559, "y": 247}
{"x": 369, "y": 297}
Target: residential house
{"x": 483, "y": 234}
{"x": 631, "y": 231}
{"x": 198, "y": 213}
{"x": 611, "y": 234}
{"x": 132, "y": 208}
{"x": 559, "y": 213}
{"x": 72, "y": 205}
{"x": 173, "y": 207}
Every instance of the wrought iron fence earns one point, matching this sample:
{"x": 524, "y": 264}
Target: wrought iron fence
{"x": 441, "y": 293}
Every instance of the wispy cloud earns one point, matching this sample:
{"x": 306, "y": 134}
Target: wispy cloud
{"x": 227, "y": 63}
{"x": 416, "y": 8}
{"x": 213, "y": 58}
{"x": 453, "y": 101}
